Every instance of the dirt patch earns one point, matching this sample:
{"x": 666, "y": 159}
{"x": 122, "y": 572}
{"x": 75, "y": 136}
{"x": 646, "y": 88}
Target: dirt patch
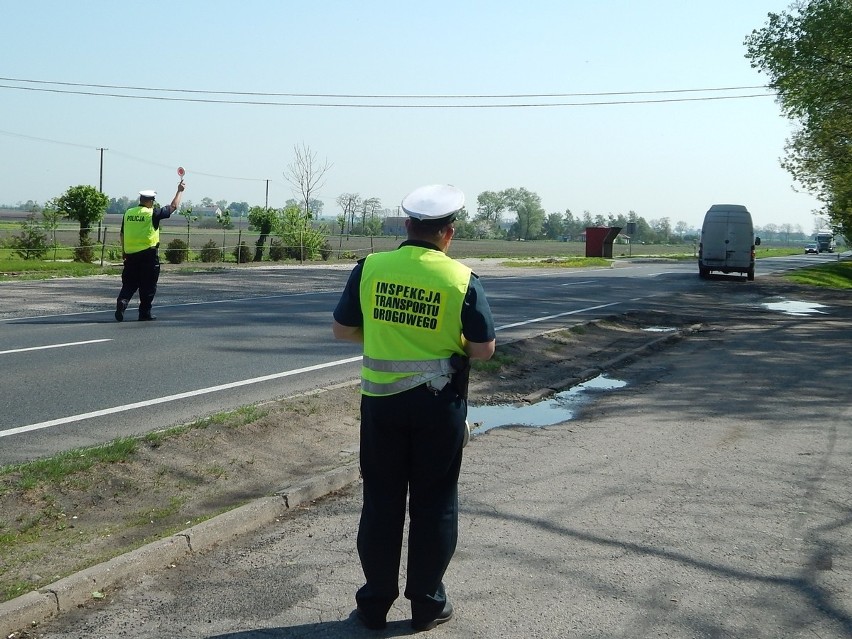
{"x": 558, "y": 359}
{"x": 171, "y": 482}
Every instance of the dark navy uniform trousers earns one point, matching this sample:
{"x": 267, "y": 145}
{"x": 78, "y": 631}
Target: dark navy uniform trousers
{"x": 141, "y": 272}
{"x": 411, "y": 445}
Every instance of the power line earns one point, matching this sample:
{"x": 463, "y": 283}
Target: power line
{"x": 379, "y": 96}
{"x": 191, "y": 172}
{"x": 32, "y": 137}
{"x": 355, "y": 105}
{"x": 137, "y": 159}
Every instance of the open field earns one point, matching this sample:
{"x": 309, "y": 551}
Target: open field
{"x": 345, "y": 248}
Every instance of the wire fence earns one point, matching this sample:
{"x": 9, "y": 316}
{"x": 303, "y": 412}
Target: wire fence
{"x": 200, "y": 243}
{"x": 106, "y": 247}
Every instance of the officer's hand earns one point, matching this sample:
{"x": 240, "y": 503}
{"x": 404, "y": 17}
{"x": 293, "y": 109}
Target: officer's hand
{"x": 181, "y": 187}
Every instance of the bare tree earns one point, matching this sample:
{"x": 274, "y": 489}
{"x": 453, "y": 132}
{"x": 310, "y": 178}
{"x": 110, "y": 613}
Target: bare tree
{"x": 349, "y": 203}
{"x": 306, "y": 174}
{"x": 369, "y": 207}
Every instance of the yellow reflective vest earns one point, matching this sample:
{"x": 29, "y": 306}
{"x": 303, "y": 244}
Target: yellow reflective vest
{"x": 411, "y": 300}
{"x": 139, "y": 231}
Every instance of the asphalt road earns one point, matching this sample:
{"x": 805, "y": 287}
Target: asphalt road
{"x": 74, "y": 377}
{"x": 708, "y": 498}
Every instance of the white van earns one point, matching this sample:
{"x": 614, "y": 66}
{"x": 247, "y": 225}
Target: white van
{"x": 727, "y": 241}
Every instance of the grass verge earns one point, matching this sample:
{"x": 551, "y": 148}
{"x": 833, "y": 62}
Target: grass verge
{"x": 42, "y": 499}
{"x": 833, "y": 275}
{"x": 42, "y": 270}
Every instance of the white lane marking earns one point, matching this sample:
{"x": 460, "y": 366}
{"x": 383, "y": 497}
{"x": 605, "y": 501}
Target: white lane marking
{"x": 41, "y": 348}
{"x": 172, "y": 398}
{"x": 225, "y": 301}
{"x": 549, "y": 317}
{"x": 577, "y": 283}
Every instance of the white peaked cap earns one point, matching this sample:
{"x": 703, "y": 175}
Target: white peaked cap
{"x": 148, "y": 193}
{"x": 433, "y": 202}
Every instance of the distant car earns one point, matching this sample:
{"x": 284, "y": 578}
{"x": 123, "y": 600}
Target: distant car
{"x": 811, "y": 248}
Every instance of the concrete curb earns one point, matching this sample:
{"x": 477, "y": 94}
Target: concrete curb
{"x": 34, "y": 608}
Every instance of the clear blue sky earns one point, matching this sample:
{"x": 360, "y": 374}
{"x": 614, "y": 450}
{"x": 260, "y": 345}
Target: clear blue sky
{"x": 669, "y": 159}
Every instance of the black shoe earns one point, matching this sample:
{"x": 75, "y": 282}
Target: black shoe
{"x": 120, "y": 307}
{"x": 443, "y": 617}
{"x": 371, "y": 623}
{"x": 147, "y": 318}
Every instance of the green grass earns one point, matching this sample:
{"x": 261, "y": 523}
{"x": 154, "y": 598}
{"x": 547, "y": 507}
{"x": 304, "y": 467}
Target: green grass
{"x": 499, "y": 360}
{"x": 776, "y": 252}
{"x": 242, "y": 416}
{"x": 57, "y": 468}
{"x": 60, "y": 467}
{"x": 17, "y": 269}
{"x": 15, "y": 589}
{"x": 833, "y": 275}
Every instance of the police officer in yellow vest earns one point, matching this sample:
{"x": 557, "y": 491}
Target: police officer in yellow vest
{"x": 418, "y": 313}
{"x": 140, "y": 240}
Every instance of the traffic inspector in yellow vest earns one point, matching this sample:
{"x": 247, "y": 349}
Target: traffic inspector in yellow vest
{"x": 140, "y": 241}
{"x": 421, "y": 316}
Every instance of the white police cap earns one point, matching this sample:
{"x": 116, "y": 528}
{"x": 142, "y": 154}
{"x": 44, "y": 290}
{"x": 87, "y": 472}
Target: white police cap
{"x": 433, "y": 202}
{"x": 150, "y": 193}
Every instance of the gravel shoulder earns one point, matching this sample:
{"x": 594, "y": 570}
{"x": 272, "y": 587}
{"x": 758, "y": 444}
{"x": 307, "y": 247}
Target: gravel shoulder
{"x": 174, "y": 480}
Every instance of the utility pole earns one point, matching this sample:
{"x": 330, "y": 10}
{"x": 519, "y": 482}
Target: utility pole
{"x": 101, "y": 190}
{"x": 266, "y": 205}
{"x": 101, "y": 183}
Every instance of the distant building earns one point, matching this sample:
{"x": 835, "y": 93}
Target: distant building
{"x": 394, "y": 225}
{"x": 206, "y": 211}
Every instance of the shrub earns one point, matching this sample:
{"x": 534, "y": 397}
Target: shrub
{"x": 210, "y": 252}
{"x": 301, "y": 240}
{"x": 176, "y": 251}
{"x": 32, "y": 243}
{"x": 241, "y": 252}
{"x": 276, "y": 250}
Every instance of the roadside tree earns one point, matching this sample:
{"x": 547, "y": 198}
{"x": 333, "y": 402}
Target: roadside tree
{"x": 86, "y": 205}
{"x": 806, "y": 52}
{"x": 369, "y": 207}
{"x": 527, "y": 206}
{"x": 262, "y": 220}
{"x": 306, "y": 174}
{"x": 189, "y": 217}
{"x": 349, "y": 204}
{"x": 300, "y": 238}
{"x": 554, "y": 228}
{"x": 490, "y": 207}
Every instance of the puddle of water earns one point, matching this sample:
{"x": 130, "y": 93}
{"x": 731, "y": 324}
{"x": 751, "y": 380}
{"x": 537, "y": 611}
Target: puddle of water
{"x": 659, "y": 329}
{"x": 559, "y": 408}
{"x": 793, "y": 307}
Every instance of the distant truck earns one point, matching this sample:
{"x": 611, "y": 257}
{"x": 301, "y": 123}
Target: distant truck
{"x": 727, "y": 241}
{"x": 825, "y": 241}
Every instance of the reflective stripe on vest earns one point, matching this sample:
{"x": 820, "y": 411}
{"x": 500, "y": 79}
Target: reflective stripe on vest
{"x": 399, "y": 386}
{"x": 426, "y": 369}
{"x": 139, "y": 231}
{"x": 439, "y": 366}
